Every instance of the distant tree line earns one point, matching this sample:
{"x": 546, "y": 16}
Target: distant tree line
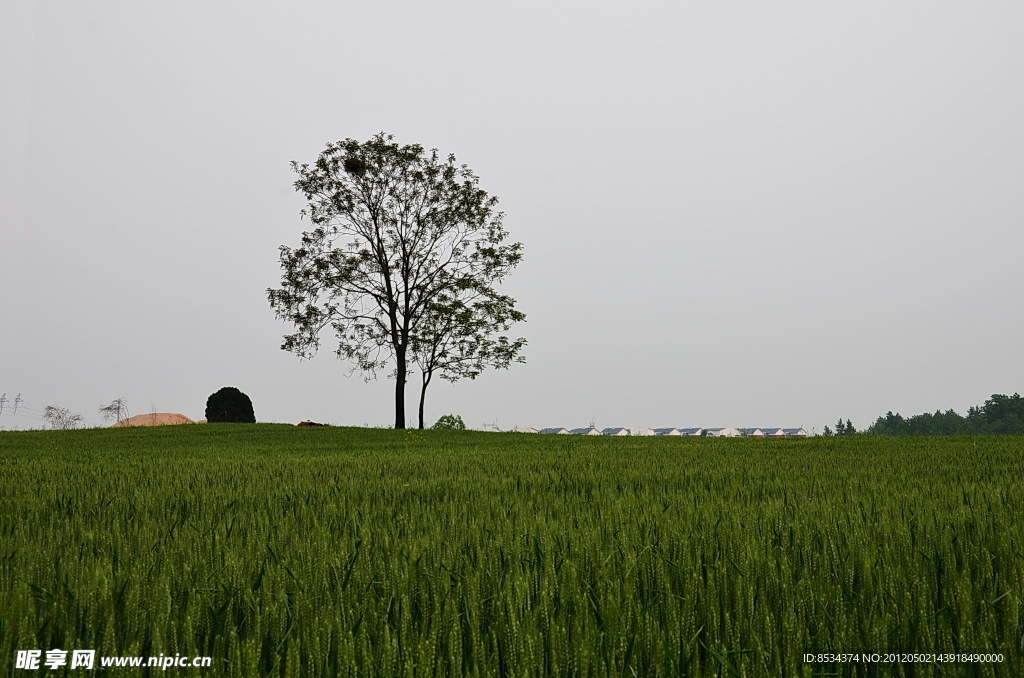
{"x": 1001, "y": 414}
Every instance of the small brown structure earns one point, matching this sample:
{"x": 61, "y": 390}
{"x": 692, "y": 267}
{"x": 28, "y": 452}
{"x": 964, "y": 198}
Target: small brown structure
{"x": 310, "y": 423}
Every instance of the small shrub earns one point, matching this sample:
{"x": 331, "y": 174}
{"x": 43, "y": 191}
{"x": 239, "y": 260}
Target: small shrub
{"x": 229, "y": 405}
{"x": 449, "y": 422}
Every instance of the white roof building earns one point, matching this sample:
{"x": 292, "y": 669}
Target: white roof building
{"x": 718, "y": 432}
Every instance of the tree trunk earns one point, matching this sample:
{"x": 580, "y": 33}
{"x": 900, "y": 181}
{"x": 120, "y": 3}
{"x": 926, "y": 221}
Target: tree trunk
{"x": 400, "y": 392}
{"x": 423, "y": 395}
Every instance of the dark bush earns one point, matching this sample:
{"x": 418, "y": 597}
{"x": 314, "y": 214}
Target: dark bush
{"x": 229, "y": 405}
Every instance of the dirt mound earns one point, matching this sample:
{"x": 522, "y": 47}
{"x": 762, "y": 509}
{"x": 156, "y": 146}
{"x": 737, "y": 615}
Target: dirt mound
{"x": 155, "y": 419}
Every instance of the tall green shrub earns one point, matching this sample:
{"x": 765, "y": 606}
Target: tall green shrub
{"x": 229, "y": 405}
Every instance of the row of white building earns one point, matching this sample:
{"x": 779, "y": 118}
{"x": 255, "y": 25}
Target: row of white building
{"x": 725, "y": 432}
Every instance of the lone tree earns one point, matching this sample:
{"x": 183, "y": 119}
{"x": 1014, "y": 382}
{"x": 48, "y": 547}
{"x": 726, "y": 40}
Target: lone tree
{"x": 401, "y": 264}
{"x": 229, "y": 405}
{"x": 61, "y": 418}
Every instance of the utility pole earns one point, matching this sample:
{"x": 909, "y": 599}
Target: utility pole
{"x": 17, "y": 401}
{"x": 3, "y": 401}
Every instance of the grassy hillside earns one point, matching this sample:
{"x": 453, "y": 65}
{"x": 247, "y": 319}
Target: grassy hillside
{"x": 336, "y": 551}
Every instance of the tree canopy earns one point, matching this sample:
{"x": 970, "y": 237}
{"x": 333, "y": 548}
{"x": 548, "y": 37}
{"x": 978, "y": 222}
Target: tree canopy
{"x": 456, "y": 337}
{"x": 401, "y": 265}
{"x": 449, "y": 422}
{"x": 229, "y": 405}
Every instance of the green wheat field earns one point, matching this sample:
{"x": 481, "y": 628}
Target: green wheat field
{"x": 281, "y": 551}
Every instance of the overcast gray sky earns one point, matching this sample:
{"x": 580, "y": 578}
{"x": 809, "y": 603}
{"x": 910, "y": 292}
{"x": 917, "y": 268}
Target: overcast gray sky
{"x": 734, "y": 213}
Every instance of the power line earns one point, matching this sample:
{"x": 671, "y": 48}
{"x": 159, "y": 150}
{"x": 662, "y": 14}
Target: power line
{"x": 23, "y": 413}
{"x": 26, "y": 412}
